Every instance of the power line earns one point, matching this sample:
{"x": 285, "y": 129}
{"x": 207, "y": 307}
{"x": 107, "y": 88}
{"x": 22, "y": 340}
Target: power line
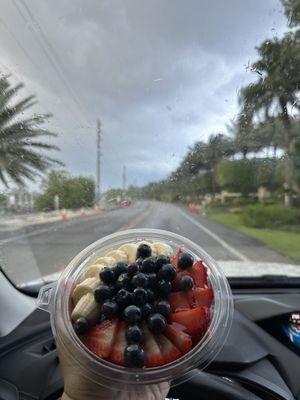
{"x": 47, "y": 49}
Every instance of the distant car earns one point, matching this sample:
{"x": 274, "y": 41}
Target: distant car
{"x": 124, "y": 204}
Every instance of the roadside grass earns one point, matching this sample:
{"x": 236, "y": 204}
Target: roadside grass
{"x": 286, "y": 243}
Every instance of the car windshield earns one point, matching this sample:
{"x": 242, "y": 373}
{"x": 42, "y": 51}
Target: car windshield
{"x": 176, "y": 115}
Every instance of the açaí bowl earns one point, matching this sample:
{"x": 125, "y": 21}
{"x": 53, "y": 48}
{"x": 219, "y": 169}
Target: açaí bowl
{"x": 56, "y": 298}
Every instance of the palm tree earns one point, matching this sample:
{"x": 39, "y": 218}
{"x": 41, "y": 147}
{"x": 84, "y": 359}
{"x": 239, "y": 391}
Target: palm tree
{"x": 22, "y": 142}
{"x": 218, "y": 147}
{"x": 275, "y": 92}
{"x": 292, "y": 11}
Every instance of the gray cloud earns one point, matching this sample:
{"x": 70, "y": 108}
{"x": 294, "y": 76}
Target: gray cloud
{"x": 159, "y": 74}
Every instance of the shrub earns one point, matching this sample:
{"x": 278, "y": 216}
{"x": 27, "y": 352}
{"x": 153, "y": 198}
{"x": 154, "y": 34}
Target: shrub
{"x": 274, "y": 216}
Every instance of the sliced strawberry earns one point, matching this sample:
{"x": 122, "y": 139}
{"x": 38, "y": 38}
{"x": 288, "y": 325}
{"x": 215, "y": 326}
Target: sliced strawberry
{"x": 153, "y": 356}
{"x": 117, "y": 354}
{"x": 180, "y": 339}
{"x": 178, "y": 301}
{"x": 174, "y": 259}
{"x": 199, "y": 273}
{"x": 167, "y": 348}
{"x": 100, "y": 338}
{"x": 200, "y": 297}
{"x": 193, "y": 321}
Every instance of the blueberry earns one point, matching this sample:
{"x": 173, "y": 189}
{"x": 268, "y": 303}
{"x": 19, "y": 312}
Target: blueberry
{"x": 123, "y": 298}
{"x": 140, "y": 280}
{"x": 101, "y": 318}
{"x": 81, "y": 326}
{"x": 139, "y": 296}
{"x": 147, "y": 310}
{"x": 186, "y": 283}
{"x": 143, "y": 251}
{"x": 134, "y": 334}
{"x": 163, "y": 308}
{"x": 124, "y": 281}
{"x": 110, "y": 309}
{"x": 120, "y": 268}
{"x": 102, "y": 293}
{"x": 133, "y": 269}
{"x": 160, "y": 261}
{"x": 148, "y": 265}
{"x": 107, "y": 275}
{"x": 185, "y": 260}
{"x": 152, "y": 281}
{"x": 156, "y": 323}
{"x": 139, "y": 261}
{"x": 167, "y": 272}
{"x": 164, "y": 287}
{"x": 150, "y": 296}
{"x": 134, "y": 356}
{"x": 132, "y": 314}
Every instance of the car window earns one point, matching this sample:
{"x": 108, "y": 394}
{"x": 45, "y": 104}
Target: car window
{"x": 174, "y": 115}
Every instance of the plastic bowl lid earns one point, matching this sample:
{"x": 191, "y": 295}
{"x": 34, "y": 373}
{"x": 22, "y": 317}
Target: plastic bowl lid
{"x": 111, "y": 375}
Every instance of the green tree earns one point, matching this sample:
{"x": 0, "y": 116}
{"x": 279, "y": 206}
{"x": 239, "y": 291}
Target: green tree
{"x": 292, "y": 11}
{"x": 73, "y": 192}
{"x": 277, "y": 89}
{"x": 22, "y": 145}
{"x": 218, "y": 147}
{"x": 237, "y": 176}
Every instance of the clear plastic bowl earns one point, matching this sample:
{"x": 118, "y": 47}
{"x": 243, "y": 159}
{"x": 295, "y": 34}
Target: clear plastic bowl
{"x": 55, "y": 298}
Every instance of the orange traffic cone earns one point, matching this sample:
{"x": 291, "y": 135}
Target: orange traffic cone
{"x": 64, "y": 215}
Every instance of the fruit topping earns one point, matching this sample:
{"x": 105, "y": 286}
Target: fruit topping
{"x": 157, "y": 323}
{"x": 143, "y": 251}
{"x": 167, "y": 348}
{"x": 134, "y": 334}
{"x": 163, "y": 308}
{"x": 186, "y": 283}
{"x": 146, "y": 313}
{"x": 81, "y": 326}
{"x": 101, "y": 337}
{"x": 132, "y": 314}
{"x": 193, "y": 321}
{"x": 178, "y": 301}
{"x": 181, "y": 340}
{"x": 134, "y": 356}
{"x": 153, "y": 355}
{"x": 185, "y": 260}
{"x": 200, "y": 297}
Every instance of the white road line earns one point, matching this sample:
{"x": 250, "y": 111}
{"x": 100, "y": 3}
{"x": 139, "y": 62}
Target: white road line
{"x": 215, "y": 237}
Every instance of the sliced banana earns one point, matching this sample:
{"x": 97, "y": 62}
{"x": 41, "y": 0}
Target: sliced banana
{"x": 86, "y": 286}
{"x": 93, "y": 271}
{"x": 163, "y": 248}
{"x": 153, "y": 250}
{"x": 130, "y": 250}
{"x": 118, "y": 255}
{"x": 106, "y": 261}
{"x": 86, "y": 307}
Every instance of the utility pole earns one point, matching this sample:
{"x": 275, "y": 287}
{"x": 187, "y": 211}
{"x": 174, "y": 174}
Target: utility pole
{"x": 98, "y": 189}
{"x": 124, "y": 178}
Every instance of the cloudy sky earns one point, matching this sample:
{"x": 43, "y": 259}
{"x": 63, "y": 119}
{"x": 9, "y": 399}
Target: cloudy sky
{"x": 160, "y": 74}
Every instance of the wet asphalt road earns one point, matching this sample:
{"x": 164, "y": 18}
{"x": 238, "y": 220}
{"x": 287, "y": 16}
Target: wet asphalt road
{"x": 36, "y": 251}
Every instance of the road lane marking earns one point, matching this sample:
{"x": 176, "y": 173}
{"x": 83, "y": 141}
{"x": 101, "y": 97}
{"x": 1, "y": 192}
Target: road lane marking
{"x": 138, "y": 219}
{"x": 217, "y": 238}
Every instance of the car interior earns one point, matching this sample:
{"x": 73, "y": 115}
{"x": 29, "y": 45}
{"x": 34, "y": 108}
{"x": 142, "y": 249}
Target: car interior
{"x": 258, "y": 361}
